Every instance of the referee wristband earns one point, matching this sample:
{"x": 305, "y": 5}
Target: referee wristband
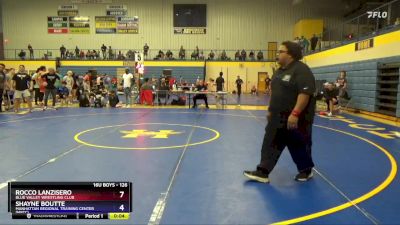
{"x": 295, "y": 113}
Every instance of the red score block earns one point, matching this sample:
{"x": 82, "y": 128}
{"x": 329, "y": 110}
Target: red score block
{"x": 57, "y": 31}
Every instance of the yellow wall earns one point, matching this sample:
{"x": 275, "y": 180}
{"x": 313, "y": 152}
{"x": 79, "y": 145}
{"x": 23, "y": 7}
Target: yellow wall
{"x": 308, "y": 27}
{"x": 248, "y": 72}
{"x": 385, "y": 45}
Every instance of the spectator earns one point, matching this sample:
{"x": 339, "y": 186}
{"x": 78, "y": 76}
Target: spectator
{"x": 331, "y": 96}
{"x": 107, "y": 82}
{"x": 223, "y": 55}
{"x": 169, "y": 54}
{"x": 301, "y": 43}
{"x": 252, "y": 56}
{"x": 314, "y": 41}
{"x": 9, "y": 90}
{"x": 50, "y": 78}
{"x": 62, "y": 51}
{"x": 201, "y": 55}
{"x": 237, "y": 55}
{"x": 397, "y": 22}
{"x": 110, "y": 53}
{"x": 201, "y": 87}
{"x": 260, "y": 55}
{"x": 267, "y": 84}
{"x": 145, "y": 50}
{"x": 113, "y": 99}
{"x": 306, "y": 45}
{"x": 127, "y": 78}
{"x": 120, "y": 55}
{"x": 67, "y": 54}
{"x": 36, "y": 84}
{"x": 96, "y": 54}
{"x": 182, "y": 53}
{"x": 63, "y": 94}
{"x": 30, "y": 51}
{"x": 69, "y": 84}
{"x": 211, "y": 55}
{"x": 163, "y": 91}
{"x": 3, "y": 80}
{"x": 194, "y": 55}
{"x": 254, "y": 90}
{"x": 103, "y": 51}
{"x": 220, "y": 82}
{"x": 82, "y": 54}
{"x": 341, "y": 84}
{"x": 77, "y": 52}
{"x": 22, "y": 54}
{"x": 22, "y": 84}
{"x": 197, "y": 51}
{"x": 243, "y": 55}
{"x": 239, "y": 83}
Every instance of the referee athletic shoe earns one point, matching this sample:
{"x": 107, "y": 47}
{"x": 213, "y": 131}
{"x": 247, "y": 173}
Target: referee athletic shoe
{"x": 257, "y": 175}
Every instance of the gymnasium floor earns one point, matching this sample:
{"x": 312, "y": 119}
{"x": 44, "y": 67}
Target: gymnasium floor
{"x": 195, "y": 175}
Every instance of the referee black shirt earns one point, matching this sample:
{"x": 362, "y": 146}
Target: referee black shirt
{"x": 287, "y": 83}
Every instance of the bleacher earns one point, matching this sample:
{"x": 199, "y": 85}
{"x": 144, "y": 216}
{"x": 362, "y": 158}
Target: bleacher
{"x": 362, "y": 78}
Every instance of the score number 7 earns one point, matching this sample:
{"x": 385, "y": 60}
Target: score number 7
{"x": 122, "y": 195}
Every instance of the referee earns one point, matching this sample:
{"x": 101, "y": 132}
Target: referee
{"x": 290, "y": 116}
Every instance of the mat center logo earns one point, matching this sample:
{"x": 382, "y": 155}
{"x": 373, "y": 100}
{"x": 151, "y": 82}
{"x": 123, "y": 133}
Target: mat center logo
{"x": 146, "y": 136}
{"x": 161, "y": 134}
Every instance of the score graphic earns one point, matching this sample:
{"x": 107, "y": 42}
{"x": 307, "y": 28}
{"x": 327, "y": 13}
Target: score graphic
{"x": 70, "y": 200}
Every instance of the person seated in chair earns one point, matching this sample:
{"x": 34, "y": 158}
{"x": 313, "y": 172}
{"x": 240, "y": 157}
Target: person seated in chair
{"x": 237, "y": 55}
{"x": 201, "y": 87}
{"x": 331, "y": 96}
{"x": 254, "y": 90}
{"x": 260, "y": 56}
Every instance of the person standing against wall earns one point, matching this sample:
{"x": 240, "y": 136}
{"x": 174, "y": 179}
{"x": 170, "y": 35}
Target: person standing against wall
{"x": 290, "y": 116}
{"x": 30, "y": 51}
{"x": 239, "y": 83}
{"x": 103, "y": 51}
{"x": 220, "y": 86}
{"x": 62, "y": 51}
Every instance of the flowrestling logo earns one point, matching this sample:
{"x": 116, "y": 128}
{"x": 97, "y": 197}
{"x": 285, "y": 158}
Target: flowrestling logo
{"x": 375, "y": 14}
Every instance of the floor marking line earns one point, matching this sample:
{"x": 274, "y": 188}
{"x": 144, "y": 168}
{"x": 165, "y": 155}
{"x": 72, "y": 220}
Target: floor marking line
{"x": 389, "y": 179}
{"x": 120, "y": 113}
{"x": 363, "y": 211}
{"x": 350, "y": 203}
{"x": 158, "y": 210}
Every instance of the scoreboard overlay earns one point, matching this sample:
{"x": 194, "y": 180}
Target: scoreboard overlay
{"x": 70, "y": 200}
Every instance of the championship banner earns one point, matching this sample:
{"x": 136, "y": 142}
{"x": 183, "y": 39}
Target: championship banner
{"x": 182, "y": 30}
{"x": 105, "y": 24}
{"x": 79, "y": 25}
{"x": 68, "y": 10}
{"x": 116, "y": 10}
{"x": 128, "y": 25}
{"x": 57, "y": 25}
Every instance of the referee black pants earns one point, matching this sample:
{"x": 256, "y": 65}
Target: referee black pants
{"x": 298, "y": 142}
